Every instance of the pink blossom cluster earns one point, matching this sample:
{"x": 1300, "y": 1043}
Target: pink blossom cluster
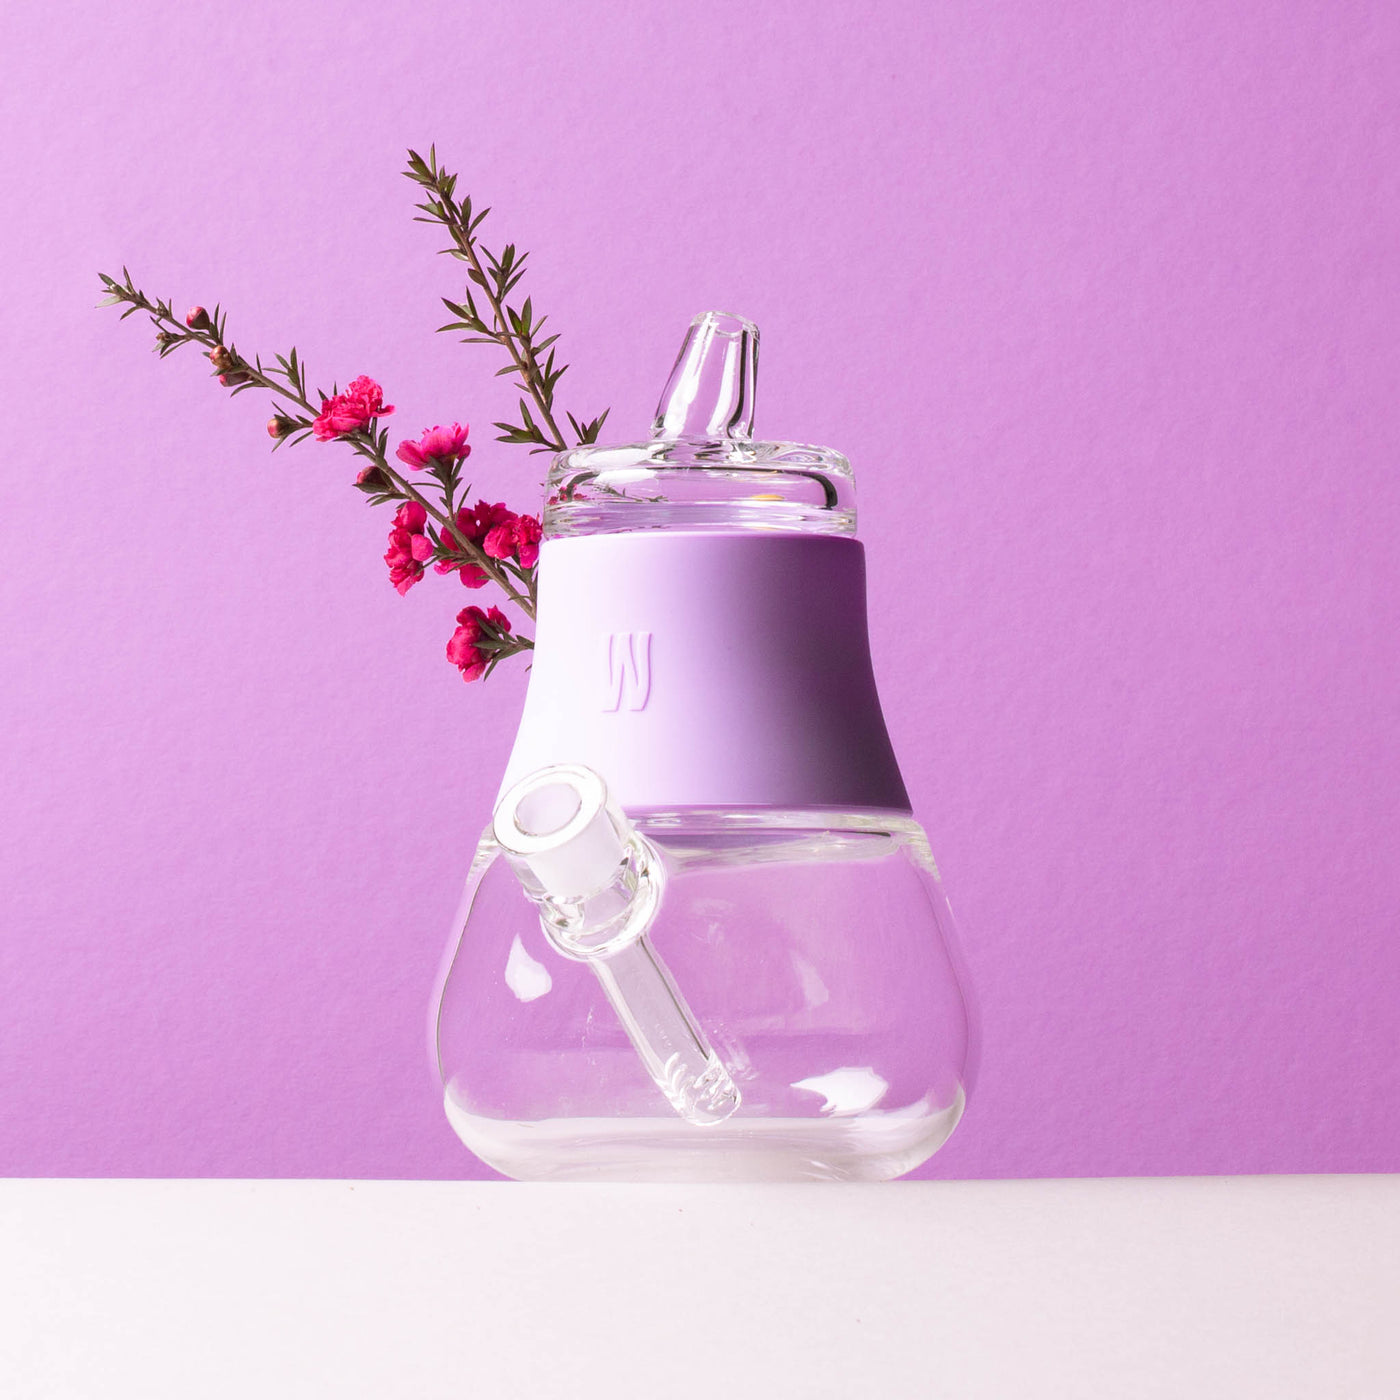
{"x": 409, "y": 547}
{"x": 498, "y": 532}
{"x": 357, "y": 407}
{"x": 519, "y": 536}
{"x": 439, "y": 446}
{"x": 494, "y": 529}
{"x": 474, "y": 626}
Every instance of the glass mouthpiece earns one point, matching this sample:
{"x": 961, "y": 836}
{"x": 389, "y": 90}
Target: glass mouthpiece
{"x": 711, "y": 389}
{"x": 701, "y": 468}
{"x": 598, "y": 885}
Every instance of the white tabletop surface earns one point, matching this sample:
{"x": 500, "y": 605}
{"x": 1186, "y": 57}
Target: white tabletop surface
{"x": 1232, "y": 1287}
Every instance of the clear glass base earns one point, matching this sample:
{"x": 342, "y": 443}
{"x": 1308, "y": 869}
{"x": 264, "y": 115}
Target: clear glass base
{"x": 875, "y": 1147}
{"x": 811, "y": 948}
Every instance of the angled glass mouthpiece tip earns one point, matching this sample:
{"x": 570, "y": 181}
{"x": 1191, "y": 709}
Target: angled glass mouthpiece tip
{"x": 710, "y": 393}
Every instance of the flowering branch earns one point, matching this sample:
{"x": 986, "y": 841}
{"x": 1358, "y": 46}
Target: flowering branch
{"x": 433, "y": 525}
{"x": 516, "y": 331}
{"x": 350, "y": 417}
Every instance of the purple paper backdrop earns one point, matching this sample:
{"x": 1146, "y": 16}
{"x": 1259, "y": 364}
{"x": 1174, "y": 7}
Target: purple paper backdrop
{"x": 1102, "y": 302}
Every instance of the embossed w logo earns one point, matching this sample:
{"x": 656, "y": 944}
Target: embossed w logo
{"x": 629, "y": 671}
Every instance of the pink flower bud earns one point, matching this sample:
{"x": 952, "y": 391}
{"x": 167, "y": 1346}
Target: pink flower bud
{"x": 197, "y": 318}
{"x": 373, "y": 482}
{"x": 220, "y": 358}
{"x": 279, "y": 427}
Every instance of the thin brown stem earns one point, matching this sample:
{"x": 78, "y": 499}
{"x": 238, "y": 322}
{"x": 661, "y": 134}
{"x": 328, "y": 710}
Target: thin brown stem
{"x": 524, "y": 360}
{"x": 363, "y": 440}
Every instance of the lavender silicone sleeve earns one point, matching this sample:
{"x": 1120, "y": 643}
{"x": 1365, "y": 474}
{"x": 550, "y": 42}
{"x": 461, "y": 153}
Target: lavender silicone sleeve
{"x": 709, "y": 670}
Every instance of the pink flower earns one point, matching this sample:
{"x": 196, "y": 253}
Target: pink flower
{"x": 357, "y": 407}
{"x": 528, "y": 533}
{"x": 482, "y": 518}
{"x": 473, "y": 576}
{"x": 472, "y": 526}
{"x": 409, "y": 548}
{"x": 437, "y": 445}
{"x": 473, "y": 626}
{"x": 519, "y": 536}
{"x": 499, "y": 542}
